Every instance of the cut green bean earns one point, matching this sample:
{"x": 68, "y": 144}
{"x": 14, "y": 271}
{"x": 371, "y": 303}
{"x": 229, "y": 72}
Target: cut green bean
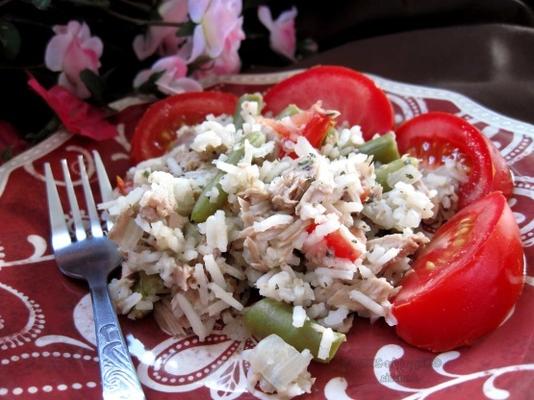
{"x": 269, "y": 316}
{"x": 207, "y": 204}
{"x": 255, "y": 97}
{"x": 383, "y": 148}
{"x": 289, "y": 111}
{"x": 386, "y": 170}
{"x": 149, "y": 285}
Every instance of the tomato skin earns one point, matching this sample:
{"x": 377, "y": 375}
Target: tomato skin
{"x": 475, "y": 286}
{"x": 156, "y": 129}
{"x": 341, "y": 247}
{"x": 502, "y": 176}
{"x": 316, "y": 129}
{"x": 338, "y": 244}
{"x": 355, "y": 96}
{"x": 444, "y": 130}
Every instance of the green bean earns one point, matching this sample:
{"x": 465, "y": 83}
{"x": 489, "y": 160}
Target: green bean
{"x": 385, "y": 170}
{"x": 269, "y": 316}
{"x": 206, "y": 204}
{"x": 149, "y": 285}
{"x": 255, "y": 97}
{"x": 383, "y": 148}
{"x": 289, "y": 111}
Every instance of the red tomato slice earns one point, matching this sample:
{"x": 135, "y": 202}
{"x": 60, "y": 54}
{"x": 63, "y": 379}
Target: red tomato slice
{"x": 338, "y": 244}
{"x": 157, "y": 128}
{"x": 435, "y": 135}
{"x": 465, "y": 281}
{"x": 355, "y": 96}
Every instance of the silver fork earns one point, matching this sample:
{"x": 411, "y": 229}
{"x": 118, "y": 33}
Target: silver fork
{"x": 91, "y": 256}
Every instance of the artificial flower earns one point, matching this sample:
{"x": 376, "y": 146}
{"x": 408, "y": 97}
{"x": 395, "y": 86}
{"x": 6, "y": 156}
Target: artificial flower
{"x": 217, "y": 21}
{"x": 70, "y": 51}
{"x": 228, "y": 61}
{"x": 163, "y": 38}
{"x": 76, "y": 115}
{"x": 282, "y": 35}
{"x": 172, "y": 79}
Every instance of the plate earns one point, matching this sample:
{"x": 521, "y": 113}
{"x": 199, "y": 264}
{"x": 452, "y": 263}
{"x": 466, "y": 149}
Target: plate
{"x": 47, "y": 341}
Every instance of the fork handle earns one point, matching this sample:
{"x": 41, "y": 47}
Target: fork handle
{"x": 119, "y": 379}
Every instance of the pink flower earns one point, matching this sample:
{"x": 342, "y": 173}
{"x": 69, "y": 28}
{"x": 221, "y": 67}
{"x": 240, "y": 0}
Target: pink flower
{"x": 162, "y": 38}
{"x": 173, "y": 79}
{"x": 218, "y": 29}
{"x": 282, "y": 31}
{"x": 77, "y": 115}
{"x": 70, "y": 51}
{"x": 228, "y": 62}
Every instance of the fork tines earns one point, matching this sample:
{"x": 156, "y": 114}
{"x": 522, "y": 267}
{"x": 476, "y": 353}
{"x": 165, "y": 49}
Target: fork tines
{"x": 60, "y": 232}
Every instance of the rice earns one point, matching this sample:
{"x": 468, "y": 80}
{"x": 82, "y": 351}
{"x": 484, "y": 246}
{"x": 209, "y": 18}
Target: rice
{"x": 272, "y": 221}
{"x": 299, "y": 316}
{"x": 327, "y": 340}
{"x": 202, "y": 282}
{"x": 215, "y": 272}
{"x": 192, "y": 316}
{"x": 220, "y": 293}
{"x": 273, "y": 232}
{"x": 367, "y": 302}
{"x": 279, "y": 367}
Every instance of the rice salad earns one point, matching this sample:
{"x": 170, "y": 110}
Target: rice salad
{"x": 285, "y": 202}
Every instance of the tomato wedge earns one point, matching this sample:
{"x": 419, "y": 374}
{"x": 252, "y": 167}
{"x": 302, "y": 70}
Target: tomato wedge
{"x": 156, "y": 130}
{"x": 355, "y": 96}
{"x": 465, "y": 282}
{"x": 435, "y": 135}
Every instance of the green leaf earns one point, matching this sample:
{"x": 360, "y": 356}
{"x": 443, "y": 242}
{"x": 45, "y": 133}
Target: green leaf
{"x": 94, "y": 83}
{"x": 150, "y": 85}
{"x": 41, "y": 4}
{"x": 186, "y": 29}
{"x": 9, "y": 40}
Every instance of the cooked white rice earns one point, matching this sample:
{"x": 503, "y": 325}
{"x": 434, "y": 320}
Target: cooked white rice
{"x": 261, "y": 238}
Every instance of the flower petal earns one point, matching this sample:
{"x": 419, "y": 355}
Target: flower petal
{"x": 265, "y": 17}
{"x": 142, "y": 47}
{"x": 142, "y": 77}
{"x": 197, "y": 9}
{"x": 95, "y": 45}
{"x": 177, "y": 86}
{"x": 282, "y": 36}
{"x": 173, "y": 10}
{"x": 175, "y": 63}
{"x": 55, "y": 52}
{"x": 77, "y": 116}
{"x": 199, "y": 44}
{"x": 218, "y": 22}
